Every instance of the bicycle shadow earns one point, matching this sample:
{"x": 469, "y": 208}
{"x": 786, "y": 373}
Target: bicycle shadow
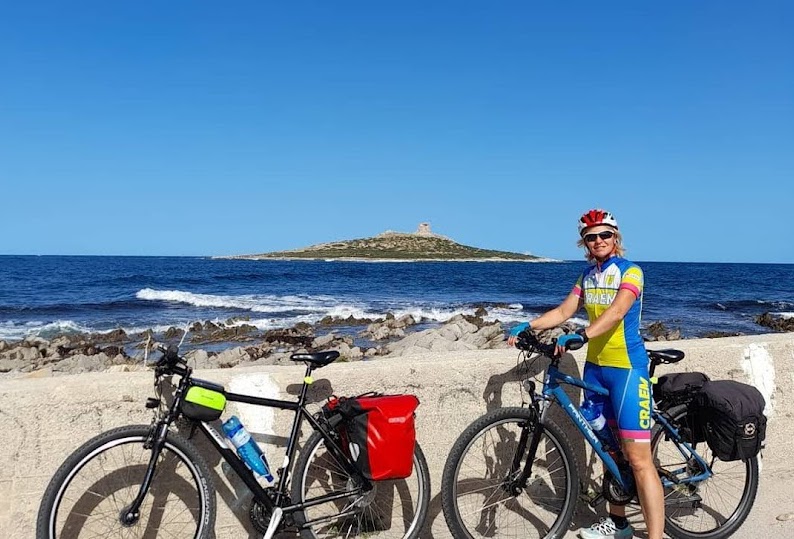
{"x": 494, "y": 397}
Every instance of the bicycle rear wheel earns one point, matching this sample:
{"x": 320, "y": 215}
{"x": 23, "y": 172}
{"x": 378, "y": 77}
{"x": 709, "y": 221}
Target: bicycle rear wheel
{"x": 392, "y": 509}
{"x": 710, "y": 509}
{"x": 476, "y": 488}
{"x": 96, "y": 483}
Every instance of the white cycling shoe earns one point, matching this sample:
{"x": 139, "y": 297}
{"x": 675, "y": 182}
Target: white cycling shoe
{"x": 606, "y": 529}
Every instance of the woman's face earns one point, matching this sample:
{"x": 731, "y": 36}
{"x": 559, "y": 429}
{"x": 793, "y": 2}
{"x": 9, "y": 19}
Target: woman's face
{"x": 600, "y": 241}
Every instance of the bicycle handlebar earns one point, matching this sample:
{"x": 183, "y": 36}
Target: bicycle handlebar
{"x": 170, "y": 361}
{"x": 528, "y": 341}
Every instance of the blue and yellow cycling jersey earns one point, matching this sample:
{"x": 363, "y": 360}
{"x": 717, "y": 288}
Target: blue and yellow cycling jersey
{"x": 597, "y": 286}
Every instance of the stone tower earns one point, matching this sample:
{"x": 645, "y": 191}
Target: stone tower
{"x": 424, "y": 230}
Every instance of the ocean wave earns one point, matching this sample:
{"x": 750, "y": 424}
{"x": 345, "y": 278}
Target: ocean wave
{"x": 253, "y": 303}
{"x": 753, "y": 304}
{"x": 12, "y": 331}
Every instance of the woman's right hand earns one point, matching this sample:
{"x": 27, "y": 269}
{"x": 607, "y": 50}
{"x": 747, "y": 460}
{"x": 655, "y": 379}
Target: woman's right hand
{"x": 513, "y": 337}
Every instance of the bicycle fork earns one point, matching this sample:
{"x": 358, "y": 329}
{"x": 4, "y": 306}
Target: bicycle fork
{"x": 531, "y": 431}
{"x": 130, "y": 514}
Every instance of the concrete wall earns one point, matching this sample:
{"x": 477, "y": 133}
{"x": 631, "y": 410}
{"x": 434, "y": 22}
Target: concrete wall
{"x": 46, "y": 418}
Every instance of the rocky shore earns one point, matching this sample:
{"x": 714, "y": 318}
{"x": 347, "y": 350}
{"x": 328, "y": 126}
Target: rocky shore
{"x": 236, "y": 343}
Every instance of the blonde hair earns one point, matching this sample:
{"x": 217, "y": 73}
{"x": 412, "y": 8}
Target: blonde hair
{"x": 619, "y": 250}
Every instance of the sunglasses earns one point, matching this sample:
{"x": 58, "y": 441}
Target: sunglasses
{"x": 604, "y": 235}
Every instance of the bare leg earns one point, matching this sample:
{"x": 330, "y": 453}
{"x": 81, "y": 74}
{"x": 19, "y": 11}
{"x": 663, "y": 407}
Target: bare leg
{"x": 649, "y": 487}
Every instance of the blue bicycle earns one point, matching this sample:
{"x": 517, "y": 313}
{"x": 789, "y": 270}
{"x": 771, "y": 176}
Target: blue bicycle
{"x": 512, "y": 473}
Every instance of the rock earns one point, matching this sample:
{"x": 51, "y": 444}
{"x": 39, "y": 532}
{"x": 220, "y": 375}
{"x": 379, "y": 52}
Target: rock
{"x": 349, "y": 321}
{"x": 775, "y": 322}
{"x": 402, "y": 322}
{"x": 785, "y": 517}
{"x": 237, "y": 319}
{"x": 720, "y": 334}
{"x": 199, "y": 359}
{"x": 112, "y": 351}
{"x": 8, "y": 365}
{"x": 657, "y": 331}
{"x": 61, "y": 341}
{"x": 30, "y": 354}
{"x": 324, "y": 340}
{"x": 300, "y": 336}
{"x": 231, "y": 358}
{"x": 35, "y": 342}
{"x": 480, "y": 312}
{"x": 117, "y": 335}
{"x": 196, "y": 327}
{"x": 3, "y": 346}
{"x": 82, "y": 363}
{"x": 173, "y": 333}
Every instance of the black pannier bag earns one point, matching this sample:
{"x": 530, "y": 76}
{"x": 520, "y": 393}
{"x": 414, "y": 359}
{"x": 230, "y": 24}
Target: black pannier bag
{"x": 732, "y": 417}
{"x": 678, "y": 388}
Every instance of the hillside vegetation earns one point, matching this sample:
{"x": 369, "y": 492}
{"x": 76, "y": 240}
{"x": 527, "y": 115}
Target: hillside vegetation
{"x": 395, "y": 246}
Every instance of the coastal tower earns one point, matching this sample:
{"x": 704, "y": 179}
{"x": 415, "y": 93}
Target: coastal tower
{"x": 424, "y": 230}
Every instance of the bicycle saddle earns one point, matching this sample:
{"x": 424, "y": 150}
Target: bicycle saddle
{"x": 668, "y": 355}
{"x": 318, "y": 359}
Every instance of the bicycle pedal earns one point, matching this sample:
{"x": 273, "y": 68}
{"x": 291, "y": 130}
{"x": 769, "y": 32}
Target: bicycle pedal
{"x": 592, "y": 498}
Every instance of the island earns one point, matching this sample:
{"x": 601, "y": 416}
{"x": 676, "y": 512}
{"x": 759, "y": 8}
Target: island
{"x": 396, "y": 246}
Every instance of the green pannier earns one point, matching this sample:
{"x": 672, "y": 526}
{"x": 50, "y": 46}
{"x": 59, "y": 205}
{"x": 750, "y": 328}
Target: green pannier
{"x": 204, "y": 401}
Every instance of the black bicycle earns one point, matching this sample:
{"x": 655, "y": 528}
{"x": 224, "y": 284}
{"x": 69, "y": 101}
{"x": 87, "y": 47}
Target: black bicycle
{"x": 151, "y": 481}
{"x": 512, "y": 472}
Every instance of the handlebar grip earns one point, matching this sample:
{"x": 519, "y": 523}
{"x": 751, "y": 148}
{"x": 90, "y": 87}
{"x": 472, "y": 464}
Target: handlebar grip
{"x": 575, "y": 345}
{"x": 172, "y": 354}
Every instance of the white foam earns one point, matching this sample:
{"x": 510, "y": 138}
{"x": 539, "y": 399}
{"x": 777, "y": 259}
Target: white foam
{"x": 253, "y": 303}
{"x": 759, "y": 367}
{"x": 784, "y": 315}
{"x": 12, "y": 331}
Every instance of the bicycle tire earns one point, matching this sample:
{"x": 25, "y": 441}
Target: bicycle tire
{"x": 317, "y": 472}
{"x": 97, "y": 481}
{"x": 529, "y": 512}
{"x": 715, "y": 517}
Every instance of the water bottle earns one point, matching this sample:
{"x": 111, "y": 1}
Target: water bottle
{"x": 598, "y": 422}
{"x": 247, "y": 448}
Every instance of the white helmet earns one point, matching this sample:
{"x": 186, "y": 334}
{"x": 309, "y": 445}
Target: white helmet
{"x": 596, "y": 217}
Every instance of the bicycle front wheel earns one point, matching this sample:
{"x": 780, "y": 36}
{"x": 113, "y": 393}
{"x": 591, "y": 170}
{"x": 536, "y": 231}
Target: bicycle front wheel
{"x": 98, "y": 482}
{"x": 392, "y": 509}
{"x": 478, "y": 491}
{"x": 710, "y": 509}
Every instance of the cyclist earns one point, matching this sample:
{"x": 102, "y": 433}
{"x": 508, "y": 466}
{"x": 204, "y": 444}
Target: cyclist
{"x": 611, "y": 292}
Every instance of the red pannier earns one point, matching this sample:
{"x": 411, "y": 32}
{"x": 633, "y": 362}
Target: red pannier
{"x": 378, "y": 433}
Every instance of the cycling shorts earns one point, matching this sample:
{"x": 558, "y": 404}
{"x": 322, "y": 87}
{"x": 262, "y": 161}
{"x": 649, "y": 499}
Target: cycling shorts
{"x": 627, "y": 408}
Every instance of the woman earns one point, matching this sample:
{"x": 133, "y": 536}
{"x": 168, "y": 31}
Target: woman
{"x": 611, "y": 292}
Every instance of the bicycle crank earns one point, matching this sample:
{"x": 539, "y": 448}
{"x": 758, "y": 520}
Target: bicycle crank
{"x": 259, "y": 516}
{"x": 614, "y": 492}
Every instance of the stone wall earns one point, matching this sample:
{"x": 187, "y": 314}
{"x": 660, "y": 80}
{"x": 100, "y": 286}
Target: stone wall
{"x": 44, "y": 419}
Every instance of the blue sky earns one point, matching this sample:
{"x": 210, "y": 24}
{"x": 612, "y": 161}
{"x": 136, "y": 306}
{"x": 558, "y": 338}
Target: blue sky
{"x": 203, "y": 128}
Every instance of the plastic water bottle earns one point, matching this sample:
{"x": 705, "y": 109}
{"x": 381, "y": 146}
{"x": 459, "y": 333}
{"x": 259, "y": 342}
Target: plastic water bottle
{"x": 598, "y": 422}
{"x": 247, "y": 448}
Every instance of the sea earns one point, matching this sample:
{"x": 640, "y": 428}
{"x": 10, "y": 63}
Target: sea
{"x": 51, "y": 295}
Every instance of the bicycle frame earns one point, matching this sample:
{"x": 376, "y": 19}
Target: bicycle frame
{"x": 553, "y": 391}
{"x": 261, "y": 495}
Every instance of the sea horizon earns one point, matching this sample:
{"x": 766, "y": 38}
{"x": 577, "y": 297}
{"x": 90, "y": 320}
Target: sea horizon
{"x": 51, "y": 294}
